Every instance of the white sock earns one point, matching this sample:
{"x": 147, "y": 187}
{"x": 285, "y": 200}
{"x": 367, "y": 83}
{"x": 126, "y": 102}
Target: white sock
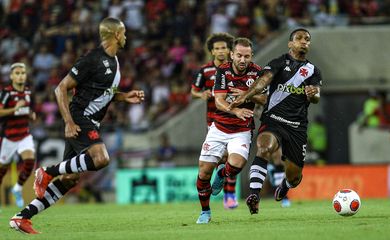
{"x": 17, "y": 187}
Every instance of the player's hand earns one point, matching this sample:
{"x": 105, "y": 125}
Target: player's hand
{"x": 206, "y": 95}
{"x": 311, "y": 91}
{"x": 237, "y": 102}
{"x": 72, "y": 130}
{"x": 20, "y": 104}
{"x": 33, "y": 116}
{"x": 243, "y": 113}
{"x": 134, "y": 96}
{"x": 237, "y": 92}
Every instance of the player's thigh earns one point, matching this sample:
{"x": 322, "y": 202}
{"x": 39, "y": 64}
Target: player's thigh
{"x": 238, "y": 148}
{"x": 98, "y": 150}
{"x": 26, "y": 148}
{"x": 7, "y": 150}
{"x": 214, "y": 146}
{"x": 294, "y": 148}
{"x": 276, "y": 157}
{"x": 26, "y": 144}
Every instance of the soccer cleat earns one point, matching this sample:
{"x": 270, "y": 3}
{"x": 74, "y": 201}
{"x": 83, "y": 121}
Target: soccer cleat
{"x": 42, "y": 180}
{"x": 22, "y": 225}
{"x": 281, "y": 191}
{"x": 18, "y": 197}
{"x": 204, "y": 217}
{"x": 230, "y": 201}
{"x": 286, "y": 203}
{"x": 218, "y": 181}
{"x": 252, "y": 201}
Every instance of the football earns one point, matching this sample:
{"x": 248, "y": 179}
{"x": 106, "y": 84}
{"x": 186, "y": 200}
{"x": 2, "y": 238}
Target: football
{"x": 346, "y": 202}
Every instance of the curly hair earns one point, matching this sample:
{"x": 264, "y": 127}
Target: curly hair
{"x": 219, "y": 37}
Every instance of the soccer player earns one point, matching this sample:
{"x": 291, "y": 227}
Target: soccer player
{"x": 95, "y": 79}
{"x": 15, "y": 114}
{"x": 294, "y": 83}
{"x": 219, "y": 46}
{"x": 231, "y": 130}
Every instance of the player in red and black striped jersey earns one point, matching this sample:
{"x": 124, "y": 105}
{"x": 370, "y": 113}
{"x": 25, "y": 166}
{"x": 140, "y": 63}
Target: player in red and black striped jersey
{"x": 231, "y": 130}
{"x": 294, "y": 83}
{"x": 219, "y": 46}
{"x": 15, "y": 115}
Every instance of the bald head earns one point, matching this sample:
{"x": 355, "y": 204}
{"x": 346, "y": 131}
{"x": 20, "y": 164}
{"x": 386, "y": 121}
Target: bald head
{"x": 108, "y": 27}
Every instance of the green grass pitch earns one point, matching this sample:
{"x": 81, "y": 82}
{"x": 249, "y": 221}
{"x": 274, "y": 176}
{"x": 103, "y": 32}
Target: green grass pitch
{"x": 303, "y": 220}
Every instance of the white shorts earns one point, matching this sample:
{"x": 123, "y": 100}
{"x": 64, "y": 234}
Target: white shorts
{"x": 8, "y": 148}
{"x": 217, "y": 142}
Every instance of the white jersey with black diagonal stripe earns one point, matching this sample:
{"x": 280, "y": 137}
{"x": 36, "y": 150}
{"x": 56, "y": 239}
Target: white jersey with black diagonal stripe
{"x": 287, "y": 101}
{"x": 98, "y": 76}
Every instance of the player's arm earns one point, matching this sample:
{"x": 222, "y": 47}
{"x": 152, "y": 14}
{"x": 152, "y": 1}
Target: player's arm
{"x": 197, "y": 86}
{"x": 61, "y": 92}
{"x": 260, "y": 99}
{"x": 312, "y": 89}
{"x": 223, "y": 105}
{"x": 9, "y": 111}
{"x": 312, "y": 93}
{"x": 257, "y": 99}
{"x": 257, "y": 88}
{"x": 133, "y": 96}
{"x": 206, "y": 94}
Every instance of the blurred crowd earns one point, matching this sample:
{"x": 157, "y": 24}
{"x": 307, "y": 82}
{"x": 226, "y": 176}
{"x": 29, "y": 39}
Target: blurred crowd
{"x": 165, "y": 44}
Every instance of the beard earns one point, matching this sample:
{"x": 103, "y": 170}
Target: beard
{"x": 240, "y": 67}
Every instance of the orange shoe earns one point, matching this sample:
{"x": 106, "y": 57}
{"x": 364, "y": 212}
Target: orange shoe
{"x": 22, "y": 225}
{"x": 42, "y": 179}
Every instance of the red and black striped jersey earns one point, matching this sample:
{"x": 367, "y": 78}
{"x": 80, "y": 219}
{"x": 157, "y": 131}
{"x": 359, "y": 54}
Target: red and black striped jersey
{"x": 15, "y": 127}
{"x": 205, "y": 81}
{"x": 226, "y": 79}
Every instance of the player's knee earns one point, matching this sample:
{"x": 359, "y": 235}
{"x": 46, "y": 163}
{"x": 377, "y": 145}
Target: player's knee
{"x": 205, "y": 175}
{"x": 101, "y": 161}
{"x": 264, "y": 152}
{"x": 205, "y": 172}
{"x": 70, "y": 180}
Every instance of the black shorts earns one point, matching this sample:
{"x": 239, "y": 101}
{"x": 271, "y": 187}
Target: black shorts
{"x": 292, "y": 142}
{"x": 88, "y": 136}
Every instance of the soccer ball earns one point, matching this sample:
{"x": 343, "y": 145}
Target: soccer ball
{"x": 346, "y": 202}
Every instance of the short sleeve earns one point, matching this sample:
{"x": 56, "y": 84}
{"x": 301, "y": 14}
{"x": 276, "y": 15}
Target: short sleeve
{"x": 274, "y": 66}
{"x": 80, "y": 69}
{"x": 199, "y": 80}
{"x": 316, "y": 79}
{"x": 220, "y": 85}
{"x": 4, "y": 95}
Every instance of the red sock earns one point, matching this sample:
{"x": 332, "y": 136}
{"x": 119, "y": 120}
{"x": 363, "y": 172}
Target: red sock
{"x": 204, "y": 192}
{"x": 3, "y": 171}
{"x": 230, "y": 185}
{"x": 229, "y": 171}
{"x": 25, "y": 172}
